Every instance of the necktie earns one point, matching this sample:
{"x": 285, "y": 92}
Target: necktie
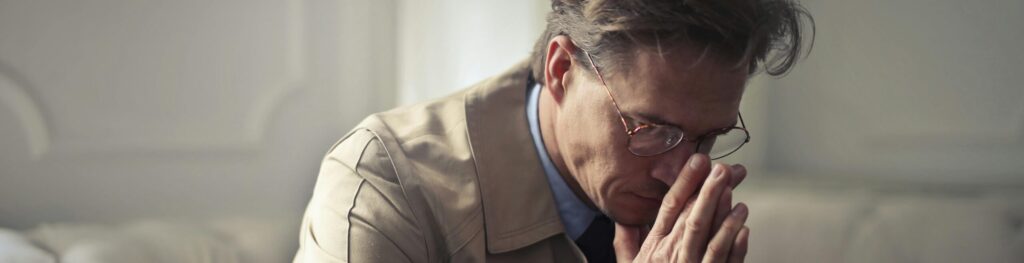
{"x": 596, "y": 241}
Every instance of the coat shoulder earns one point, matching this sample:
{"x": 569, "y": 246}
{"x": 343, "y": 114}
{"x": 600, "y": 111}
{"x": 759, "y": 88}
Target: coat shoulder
{"x": 425, "y": 148}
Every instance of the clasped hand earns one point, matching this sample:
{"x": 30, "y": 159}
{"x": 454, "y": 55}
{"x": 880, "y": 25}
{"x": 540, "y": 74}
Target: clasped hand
{"x": 696, "y": 221}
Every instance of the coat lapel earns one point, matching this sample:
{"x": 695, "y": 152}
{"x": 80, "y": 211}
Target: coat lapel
{"x": 518, "y": 206}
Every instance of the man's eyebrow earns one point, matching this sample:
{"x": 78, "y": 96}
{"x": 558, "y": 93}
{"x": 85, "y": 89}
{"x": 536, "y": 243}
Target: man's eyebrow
{"x": 655, "y": 119}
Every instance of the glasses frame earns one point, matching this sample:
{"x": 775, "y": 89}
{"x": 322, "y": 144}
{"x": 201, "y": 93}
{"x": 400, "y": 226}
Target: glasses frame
{"x": 631, "y": 132}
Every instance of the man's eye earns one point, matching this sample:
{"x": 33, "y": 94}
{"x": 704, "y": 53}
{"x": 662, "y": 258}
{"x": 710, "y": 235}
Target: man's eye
{"x": 671, "y": 139}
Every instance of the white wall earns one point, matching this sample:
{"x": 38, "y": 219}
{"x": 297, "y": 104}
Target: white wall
{"x": 916, "y": 90}
{"x": 115, "y": 109}
{"x": 447, "y": 45}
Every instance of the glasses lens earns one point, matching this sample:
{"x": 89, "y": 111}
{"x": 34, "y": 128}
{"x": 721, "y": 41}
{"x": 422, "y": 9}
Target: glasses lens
{"x": 654, "y": 140}
{"x": 724, "y": 144}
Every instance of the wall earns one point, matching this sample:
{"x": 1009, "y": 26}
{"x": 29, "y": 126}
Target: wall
{"x": 922, "y": 91}
{"x": 120, "y": 109}
{"x": 447, "y": 45}
{"x": 113, "y": 110}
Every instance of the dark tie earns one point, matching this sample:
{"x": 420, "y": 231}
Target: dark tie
{"x": 596, "y": 241}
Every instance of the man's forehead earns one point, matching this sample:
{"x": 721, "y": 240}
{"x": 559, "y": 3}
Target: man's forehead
{"x": 664, "y": 80}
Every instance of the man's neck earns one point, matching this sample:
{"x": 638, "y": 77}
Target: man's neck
{"x": 548, "y": 115}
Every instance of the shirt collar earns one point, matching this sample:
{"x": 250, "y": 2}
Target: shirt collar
{"x": 575, "y": 215}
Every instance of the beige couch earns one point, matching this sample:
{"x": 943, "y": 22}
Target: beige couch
{"x": 793, "y": 219}
{"x": 814, "y": 219}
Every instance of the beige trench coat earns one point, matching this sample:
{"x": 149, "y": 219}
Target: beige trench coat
{"x": 453, "y": 180}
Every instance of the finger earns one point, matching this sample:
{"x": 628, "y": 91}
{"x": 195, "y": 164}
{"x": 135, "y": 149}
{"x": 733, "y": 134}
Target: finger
{"x": 723, "y": 209}
{"x": 626, "y": 243}
{"x": 696, "y": 226}
{"x": 739, "y": 172}
{"x": 739, "y": 246}
{"x": 689, "y": 206}
{"x": 723, "y": 240}
{"x": 694, "y": 174}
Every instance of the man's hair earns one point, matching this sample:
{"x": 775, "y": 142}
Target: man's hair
{"x": 751, "y": 32}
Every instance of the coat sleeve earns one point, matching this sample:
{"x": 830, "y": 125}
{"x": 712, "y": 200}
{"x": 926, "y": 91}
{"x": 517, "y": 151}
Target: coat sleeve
{"x": 359, "y": 212}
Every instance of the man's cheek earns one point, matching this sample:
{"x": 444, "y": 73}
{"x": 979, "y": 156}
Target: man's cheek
{"x": 666, "y": 172}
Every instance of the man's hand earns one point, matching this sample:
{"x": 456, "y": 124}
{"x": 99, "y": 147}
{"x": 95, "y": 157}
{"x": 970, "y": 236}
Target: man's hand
{"x": 692, "y": 226}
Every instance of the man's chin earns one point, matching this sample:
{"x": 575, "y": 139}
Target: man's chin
{"x": 633, "y": 218}
{"x": 633, "y": 210}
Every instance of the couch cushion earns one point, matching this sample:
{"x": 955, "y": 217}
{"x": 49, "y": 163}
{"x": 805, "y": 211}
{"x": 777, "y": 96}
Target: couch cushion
{"x": 796, "y": 224}
{"x": 147, "y": 241}
{"x": 14, "y": 248}
{"x": 940, "y": 228}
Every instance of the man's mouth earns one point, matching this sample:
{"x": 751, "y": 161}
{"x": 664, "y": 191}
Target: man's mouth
{"x": 651, "y": 195}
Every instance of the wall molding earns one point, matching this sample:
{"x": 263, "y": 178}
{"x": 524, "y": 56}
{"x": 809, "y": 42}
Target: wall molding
{"x": 258, "y": 117}
{"x": 295, "y": 77}
{"x": 14, "y": 93}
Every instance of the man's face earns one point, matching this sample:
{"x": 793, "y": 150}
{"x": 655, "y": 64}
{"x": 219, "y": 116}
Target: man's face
{"x": 669, "y": 89}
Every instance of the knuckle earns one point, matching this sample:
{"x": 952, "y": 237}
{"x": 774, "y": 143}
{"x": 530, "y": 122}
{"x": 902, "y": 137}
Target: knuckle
{"x": 715, "y": 252}
{"x": 695, "y": 224}
{"x": 673, "y": 203}
{"x": 687, "y": 209}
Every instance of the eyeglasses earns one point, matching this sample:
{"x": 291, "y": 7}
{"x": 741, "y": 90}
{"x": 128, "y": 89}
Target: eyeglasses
{"x": 649, "y": 139}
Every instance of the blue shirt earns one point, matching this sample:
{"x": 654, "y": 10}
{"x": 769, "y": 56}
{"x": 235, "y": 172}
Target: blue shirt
{"x": 575, "y": 214}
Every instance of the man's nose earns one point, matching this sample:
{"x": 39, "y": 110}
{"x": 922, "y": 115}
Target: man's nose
{"x": 666, "y": 172}
{"x": 669, "y": 167}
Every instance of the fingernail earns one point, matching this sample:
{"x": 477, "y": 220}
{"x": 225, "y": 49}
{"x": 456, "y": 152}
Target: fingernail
{"x": 718, "y": 171}
{"x": 696, "y": 161}
{"x": 737, "y": 167}
{"x": 740, "y": 211}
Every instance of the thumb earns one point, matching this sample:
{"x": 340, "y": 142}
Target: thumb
{"x": 627, "y": 242}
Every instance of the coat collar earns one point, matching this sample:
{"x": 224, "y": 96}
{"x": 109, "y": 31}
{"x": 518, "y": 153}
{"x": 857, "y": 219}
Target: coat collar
{"x": 518, "y": 206}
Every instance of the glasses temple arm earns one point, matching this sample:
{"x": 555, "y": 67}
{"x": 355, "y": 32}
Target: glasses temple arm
{"x": 609, "y": 91}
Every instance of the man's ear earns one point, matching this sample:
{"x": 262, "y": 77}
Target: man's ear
{"x": 558, "y": 66}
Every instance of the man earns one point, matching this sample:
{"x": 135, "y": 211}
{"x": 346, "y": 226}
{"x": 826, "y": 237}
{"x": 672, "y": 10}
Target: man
{"x": 598, "y": 149}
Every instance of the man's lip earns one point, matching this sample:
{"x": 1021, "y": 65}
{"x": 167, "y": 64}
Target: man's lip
{"x": 652, "y": 196}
